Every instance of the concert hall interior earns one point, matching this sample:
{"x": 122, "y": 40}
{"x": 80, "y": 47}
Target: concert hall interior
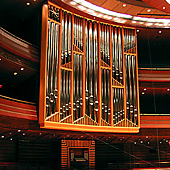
{"x": 84, "y": 84}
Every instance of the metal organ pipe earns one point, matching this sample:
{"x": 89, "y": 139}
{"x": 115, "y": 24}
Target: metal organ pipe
{"x": 73, "y": 73}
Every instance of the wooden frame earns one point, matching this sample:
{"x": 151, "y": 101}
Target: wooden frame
{"x": 67, "y": 144}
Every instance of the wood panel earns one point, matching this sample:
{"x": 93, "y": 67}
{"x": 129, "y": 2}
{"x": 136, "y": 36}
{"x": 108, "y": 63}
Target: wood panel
{"x": 66, "y": 144}
{"x": 16, "y": 108}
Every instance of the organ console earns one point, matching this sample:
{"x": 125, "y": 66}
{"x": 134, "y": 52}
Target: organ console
{"x": 88, "y": 74}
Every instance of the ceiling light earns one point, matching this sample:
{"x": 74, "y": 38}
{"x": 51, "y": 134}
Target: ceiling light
{"x": 81, "y": 7}
{"x": 99, "y": 15}
{"x": 168, "y": 89}
{"x": 148, "y": 142}
{"x": 19, "y": 130}
{"x": 73, "y": 3}
{"x": 34, "y": 0}
{"x": 23, "y": 134}
{"x": 22, "y": 69}
{"x": 141, "y": 141}
{"x": 109, "y": 17}
{"x": 10, "y": 138}
{"x": 143, "y": 92}
{"x": 160, "y": 142}
{"x": 134, "y": 22}
{"x": 28, "y": 4}
{"x": 0, "y": 59}
{"x": 137, "y": 30}
{"x": 163, "y": 7}
{"x": 39, "y": 133}
{"x": 149, "y": 10}
{"x": 15, "y": 73}
{"x": 2, "y": 136}
{"x": 124, "y": 5}
{"x": 146, "y": 136}
{"x": 135, "y": 143}
{"x": 105, "y": 16}
{"x": 160, "y": 32}
{"x": 144, "y": 89}
{"x": 168, "y": 1}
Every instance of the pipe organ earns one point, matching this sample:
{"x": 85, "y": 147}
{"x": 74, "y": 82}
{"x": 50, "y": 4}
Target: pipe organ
{"x": 88, "y": 74}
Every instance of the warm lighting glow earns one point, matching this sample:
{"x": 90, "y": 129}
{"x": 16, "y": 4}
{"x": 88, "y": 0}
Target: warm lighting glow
{"x": 163, "y": 7}
{"x": 19, "y": 130}
{"x": 28, "y": 4}
{"x": 144, "y": 89}
{"x": 2, "y": 136}
{"x": 143, "y": 93}
{"x": 160, "y": 32}
{"x": 81, "y": 7}
{"x": 124, "y": 5}
{"x": 15, "y": 73}
{"x": 168, "y": 1}
{"x": 168, "y": 89}
{"x": 22, "y": 69}
{"x": 73, "y": 3}
{"x": 0, "y": 59}
{"x": 149, "y": 10}
{"x": 137, "y": 30}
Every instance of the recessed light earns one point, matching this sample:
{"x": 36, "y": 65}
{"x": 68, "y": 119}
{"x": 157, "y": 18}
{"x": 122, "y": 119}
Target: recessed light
{"x": 168, "y": 89}
{"x": 144, "y": 89}
{"x": 28, "y": 3}
{"x": 2, "y": 136}
{"x": 149, "y": 10}
{"x": 163, "y": 7}
{"x": 10, "y": 138}
{"x": 23, "y": 134}
{"x": 143, "y": 92}
{"x": 141, "y": 141}
{"x": 0, "y": 59}
{"x": 160, "y": 32}
{"x": 160, "y": 142}
{"x": 124, "y": 5}
{"x": 19, "y": 130}
{"x": 39, "y": 133}
{"x": 35, "y": 0}
{"x": 146, "y": 136}
{"x": 15, "y": 73}
{"x": 135, "y": 143}
{"x": 22, "y": 68}
{"x": 73, "y": 3}
{"x": 137, "y": 30}
{"x": 148, "y": 142}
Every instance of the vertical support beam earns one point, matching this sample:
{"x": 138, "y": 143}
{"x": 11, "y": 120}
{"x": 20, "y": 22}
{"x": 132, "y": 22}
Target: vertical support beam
{"x": 99, "y": 76}
{"x": 137, "y": 82}
{"x": 72, "y": 63}
{"x": 124, "y": 81}
{"x": 59, "y": 63}
{"x": 111, "y": 89}
{"x": 84, "y": 73}
{"x": 43, "y": 64}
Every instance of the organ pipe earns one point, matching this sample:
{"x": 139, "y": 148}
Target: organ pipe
{"x": 93, "y": 59}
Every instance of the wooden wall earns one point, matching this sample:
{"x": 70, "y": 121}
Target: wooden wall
{"x": 29, "y": 155}
{"x": 107, "y": 155}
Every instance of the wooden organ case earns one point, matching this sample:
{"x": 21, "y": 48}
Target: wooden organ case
{"x": 88, "y": 74}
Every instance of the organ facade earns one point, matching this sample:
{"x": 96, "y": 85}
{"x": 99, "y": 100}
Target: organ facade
{"x": 88, "y": 74}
